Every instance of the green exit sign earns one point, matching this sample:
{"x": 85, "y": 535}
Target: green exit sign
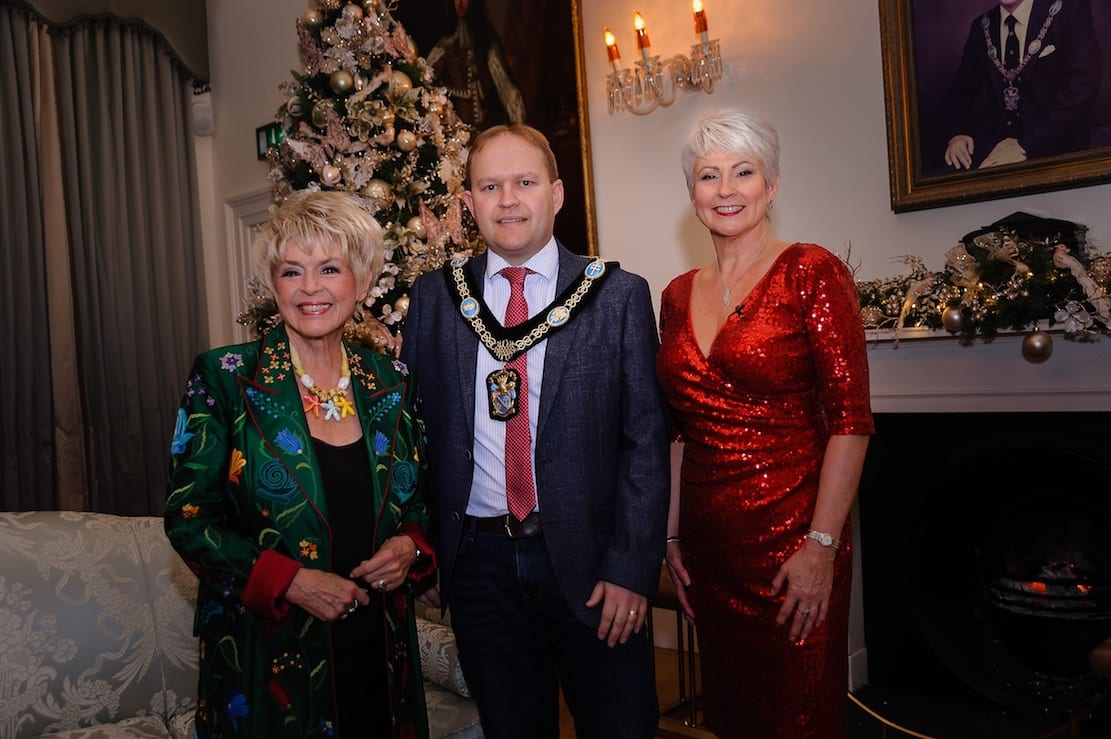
{"x": 267, "y": 137}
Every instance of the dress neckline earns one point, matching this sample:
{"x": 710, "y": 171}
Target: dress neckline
{"x": 757, "y": 286}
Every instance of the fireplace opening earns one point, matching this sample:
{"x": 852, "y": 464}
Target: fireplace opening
{"x": 986, "y": 557}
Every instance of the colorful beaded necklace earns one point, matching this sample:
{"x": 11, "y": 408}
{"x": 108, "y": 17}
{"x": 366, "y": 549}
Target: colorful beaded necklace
{"x": 334, "y": 402}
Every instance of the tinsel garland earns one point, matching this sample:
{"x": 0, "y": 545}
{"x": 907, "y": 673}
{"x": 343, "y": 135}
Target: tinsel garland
{"x": 364, "y": 116}
{"x": 997, "y": 280}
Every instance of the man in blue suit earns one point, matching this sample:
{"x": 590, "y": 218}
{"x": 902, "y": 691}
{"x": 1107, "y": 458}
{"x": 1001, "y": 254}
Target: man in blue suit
{"x": 1026, "y": 86}
{"x": 548, "y": 457}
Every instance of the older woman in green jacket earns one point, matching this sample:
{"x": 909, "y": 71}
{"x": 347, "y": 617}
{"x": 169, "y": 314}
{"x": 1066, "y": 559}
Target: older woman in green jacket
{"x": 296, "y": 495}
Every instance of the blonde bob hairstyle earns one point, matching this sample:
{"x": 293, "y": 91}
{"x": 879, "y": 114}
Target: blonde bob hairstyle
{"x": 330, "y": 221}
{"x": 732, "y": 132}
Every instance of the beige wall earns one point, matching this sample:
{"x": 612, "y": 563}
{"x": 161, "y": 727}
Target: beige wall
{"x": 813, "y": 69}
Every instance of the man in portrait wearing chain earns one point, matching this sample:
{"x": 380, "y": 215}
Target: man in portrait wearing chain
{"x": 548, "y": 458}
{"x": 1026, "y": 86}
{"x": 470, "y": 63}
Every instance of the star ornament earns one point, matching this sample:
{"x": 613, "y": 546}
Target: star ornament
{"x": 345, "y": 407}
{"x": 312, "y": 403}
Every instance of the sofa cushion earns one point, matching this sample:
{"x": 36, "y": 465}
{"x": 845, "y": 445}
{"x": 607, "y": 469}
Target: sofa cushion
{"x": 450, "y": 715}
{"x": 439, "y": 657}
{"x": 132, "y": 728}
{"x": 95, "y": 623}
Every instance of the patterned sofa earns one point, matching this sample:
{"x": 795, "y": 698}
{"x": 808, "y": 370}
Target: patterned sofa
{"x": 96, "y": 618}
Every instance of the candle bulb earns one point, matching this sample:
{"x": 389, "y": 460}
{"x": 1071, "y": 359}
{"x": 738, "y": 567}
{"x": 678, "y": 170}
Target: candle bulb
{"x": 611, "y": 49}
{"x": 701, "y": 26}
{"x": 642, "y": 34}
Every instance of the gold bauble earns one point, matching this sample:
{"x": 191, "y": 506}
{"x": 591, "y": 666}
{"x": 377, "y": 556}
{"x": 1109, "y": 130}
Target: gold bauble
{"x": 1037, "y": 346}
{"x": 352, "y": 12}
{"x": 406, "y": 140}
{"x": 312, "y": 18}
{"x": 416, "y": 225}
{"x": 330, "y": 175}
{"x": 871, "y": 315}
{"x": 341, "y": 82}
{"x": 400, "y": 82}
{"x": 401, "y": 305}
{"x": 377, "y": 189}
{"x": 293, "y": 107}
{"x": 952, "y": 319}
{"x": 320, "y": 114}
{"x": 1100, "y": 269}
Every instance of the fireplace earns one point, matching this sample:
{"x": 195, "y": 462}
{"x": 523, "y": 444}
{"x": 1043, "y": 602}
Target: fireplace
{"x": 986, "y": 556}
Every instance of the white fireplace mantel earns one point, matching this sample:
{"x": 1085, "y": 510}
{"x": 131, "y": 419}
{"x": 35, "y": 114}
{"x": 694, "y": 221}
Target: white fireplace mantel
{"x": 933, "y": 373}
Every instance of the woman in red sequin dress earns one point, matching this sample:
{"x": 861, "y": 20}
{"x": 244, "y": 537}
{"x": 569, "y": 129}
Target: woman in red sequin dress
{"x": 763, "y": 362}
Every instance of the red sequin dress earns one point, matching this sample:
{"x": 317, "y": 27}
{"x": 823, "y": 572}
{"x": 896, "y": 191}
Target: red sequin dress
{"x": 755, "y": 416}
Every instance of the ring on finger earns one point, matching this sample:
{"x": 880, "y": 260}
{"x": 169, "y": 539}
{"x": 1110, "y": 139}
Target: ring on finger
{"x": 805, "y": 613}
{"x": 632, "y": 612}
{"x": 382, "y": 584}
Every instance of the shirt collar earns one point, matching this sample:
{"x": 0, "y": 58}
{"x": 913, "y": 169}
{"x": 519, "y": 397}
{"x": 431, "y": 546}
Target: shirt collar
{"x": 544, "y": 262}
{"x": 1021, "y": 14}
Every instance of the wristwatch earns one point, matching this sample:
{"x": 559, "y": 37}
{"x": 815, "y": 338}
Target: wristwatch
{"x": 826, "y": 540}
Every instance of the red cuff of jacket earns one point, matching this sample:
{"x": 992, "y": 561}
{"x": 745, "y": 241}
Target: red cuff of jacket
{"x": 424, "y": 567}
{"x": 265, "y": 590}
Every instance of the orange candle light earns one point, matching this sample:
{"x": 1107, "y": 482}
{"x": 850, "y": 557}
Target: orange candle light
{"x": 612, "y": 53}
{"x": 642, "y": 34}
{"x": 701, "y": 27}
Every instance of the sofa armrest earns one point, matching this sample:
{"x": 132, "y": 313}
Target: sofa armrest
{"x": 439, "y": 657}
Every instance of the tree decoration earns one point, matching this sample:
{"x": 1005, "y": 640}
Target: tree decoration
{"x": 364, "y": 116}
{"x": 1019, "y": 272}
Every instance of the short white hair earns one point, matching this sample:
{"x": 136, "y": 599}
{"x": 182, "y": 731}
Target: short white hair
{"x": 733, "y": 132}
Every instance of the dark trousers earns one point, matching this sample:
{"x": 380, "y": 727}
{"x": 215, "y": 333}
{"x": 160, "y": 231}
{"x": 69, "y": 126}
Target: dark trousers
{"x": 519, "y": 642}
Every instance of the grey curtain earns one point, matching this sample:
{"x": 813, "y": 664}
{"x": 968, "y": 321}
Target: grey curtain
{"x": 26, "y": 405}
{"x": 129, "y": 255}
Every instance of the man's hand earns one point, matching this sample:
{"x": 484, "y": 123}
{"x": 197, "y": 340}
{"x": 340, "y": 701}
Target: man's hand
{"x": 1007, "y": 151}
{"x": 623, "y": 612}
{"x": 958, "y": 154}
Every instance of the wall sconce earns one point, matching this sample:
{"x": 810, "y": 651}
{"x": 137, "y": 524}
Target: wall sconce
{"x": 653, "y": 82}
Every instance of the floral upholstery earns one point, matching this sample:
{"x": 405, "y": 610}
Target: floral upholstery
{"x": 96, "y": 634}
{"x": 96, "y": 622}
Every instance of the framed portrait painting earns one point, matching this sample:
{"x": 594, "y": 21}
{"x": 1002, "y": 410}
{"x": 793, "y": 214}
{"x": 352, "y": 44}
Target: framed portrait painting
{"x": 517, "y": 61}
{"x": 982, "y": 105}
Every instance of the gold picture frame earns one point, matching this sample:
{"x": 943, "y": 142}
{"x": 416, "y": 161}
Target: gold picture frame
{"x": 541, "y": 43}
{"x": 922, "y": 43}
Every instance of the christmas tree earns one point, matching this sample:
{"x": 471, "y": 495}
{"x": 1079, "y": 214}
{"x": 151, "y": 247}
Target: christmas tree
{"x": 364, "y": 116}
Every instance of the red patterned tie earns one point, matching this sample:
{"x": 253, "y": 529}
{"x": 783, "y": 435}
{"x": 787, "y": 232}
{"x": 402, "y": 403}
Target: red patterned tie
{"x": 520, "y": 491}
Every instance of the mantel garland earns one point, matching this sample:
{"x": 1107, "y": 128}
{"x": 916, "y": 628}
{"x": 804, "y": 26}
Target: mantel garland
{"x": 998, "y": 279}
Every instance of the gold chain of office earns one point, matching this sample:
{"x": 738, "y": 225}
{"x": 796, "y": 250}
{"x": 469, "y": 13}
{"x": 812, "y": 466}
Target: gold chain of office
{"x": 504, "y": 350}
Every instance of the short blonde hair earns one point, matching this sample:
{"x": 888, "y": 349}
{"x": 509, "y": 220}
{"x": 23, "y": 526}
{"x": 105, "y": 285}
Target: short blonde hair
{"x": 522, "y": 131}
{"x": 733, "y": 132}
{"x": 333, "y": 221}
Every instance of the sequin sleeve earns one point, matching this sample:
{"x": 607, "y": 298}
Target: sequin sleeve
{"x": 837, "y": 342}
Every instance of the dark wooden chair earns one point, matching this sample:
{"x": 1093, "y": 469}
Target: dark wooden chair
{"x": 668, "y": 600}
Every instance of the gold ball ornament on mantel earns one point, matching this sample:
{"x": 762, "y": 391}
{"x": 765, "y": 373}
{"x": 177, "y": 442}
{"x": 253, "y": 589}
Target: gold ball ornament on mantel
{"x": 1037, "y": 346}
{"x": 341, "y": 82}
{"x": 952, "y": 319}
